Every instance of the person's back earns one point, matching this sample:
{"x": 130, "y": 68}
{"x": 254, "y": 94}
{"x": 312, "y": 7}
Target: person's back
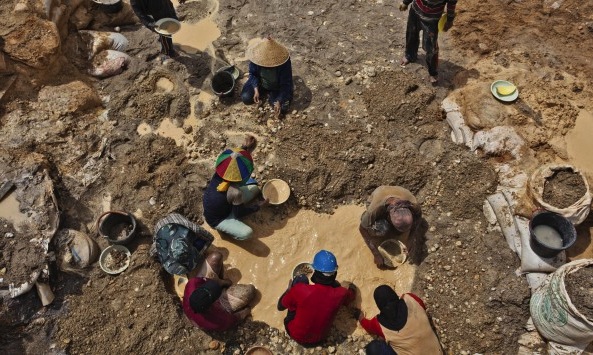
{"x": 316, "y": 306}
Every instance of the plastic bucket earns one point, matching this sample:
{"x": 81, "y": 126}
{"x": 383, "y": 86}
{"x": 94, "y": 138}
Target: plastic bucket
{"x": 561, "y": 224}
{"x": 223, "y": 83}
{"x": 109, "y": 6}
{"x": 117, "y": 227}
{"x": 393, "y": 252}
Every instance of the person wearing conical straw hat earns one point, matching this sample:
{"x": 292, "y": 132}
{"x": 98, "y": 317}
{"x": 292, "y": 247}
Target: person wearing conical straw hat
{"x": 270, "y": 72}
{"x": 228, "y": 197}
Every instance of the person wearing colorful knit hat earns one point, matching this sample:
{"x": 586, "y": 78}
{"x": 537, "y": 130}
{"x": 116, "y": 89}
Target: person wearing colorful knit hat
{"x": 228, "y": 197}
{"x": 313, "y": 307}
{"x": 270, "y": 72}
{"x": 424, "y": 16}
{"x": 402, "y": 323}
{"x": 391, "y": 210}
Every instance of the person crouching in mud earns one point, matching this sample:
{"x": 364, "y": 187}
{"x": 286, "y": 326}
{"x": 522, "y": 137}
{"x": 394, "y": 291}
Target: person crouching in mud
{"x": 270, "y": 72}
{"x": 227, "y": 197}
{"x": 313, "y": 307}
{"x": 390, "y": 209}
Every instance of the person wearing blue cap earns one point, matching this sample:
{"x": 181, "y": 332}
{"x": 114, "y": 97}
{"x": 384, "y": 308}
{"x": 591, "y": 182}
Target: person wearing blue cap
{"x": 313, "y": 307}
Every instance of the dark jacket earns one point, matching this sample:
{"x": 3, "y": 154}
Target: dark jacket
{"x": 216, "y": 206}
{"x": 284, "y": 74}
{"x": 153, "y": 10}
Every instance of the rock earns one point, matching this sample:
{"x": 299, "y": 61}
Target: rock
{"x": 338, "y": 73}
{"x": 152, "y": 201}
{"x": 458, "y": 243}
{"x": 9, "y": 235}
{"x": 188, "y": 129}
{"x": 75, "y": 96}
{"x": 348, "y": 81}
{"x": 331, "y": 349}
{"x": 34, "y": 42}
{"x": 213, "y": 345}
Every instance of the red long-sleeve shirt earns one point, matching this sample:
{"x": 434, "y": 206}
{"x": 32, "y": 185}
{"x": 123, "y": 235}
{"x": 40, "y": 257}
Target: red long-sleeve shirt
{"x": 316, "y": 307}
{"x": 372, "y": 325}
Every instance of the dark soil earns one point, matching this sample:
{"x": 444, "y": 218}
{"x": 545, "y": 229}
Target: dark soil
{"x": 115, "y": 260}
{"x": 18, "y": 255}
{"x": 579, "y": 286}
{"x": 120, "y": 231}
{"x": 564, "y": 188}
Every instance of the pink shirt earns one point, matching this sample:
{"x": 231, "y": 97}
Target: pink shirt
{"x": 215, "y": 318}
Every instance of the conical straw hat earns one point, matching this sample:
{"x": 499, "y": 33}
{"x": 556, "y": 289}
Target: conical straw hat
{"x": 268, "y": 53}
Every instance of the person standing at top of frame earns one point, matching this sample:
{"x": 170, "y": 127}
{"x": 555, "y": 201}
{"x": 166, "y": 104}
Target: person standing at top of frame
{"x": 424, "y": 16}
{"x": 149, "y": 12}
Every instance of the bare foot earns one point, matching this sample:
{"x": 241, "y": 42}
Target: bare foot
{"x": 404, "y": 62}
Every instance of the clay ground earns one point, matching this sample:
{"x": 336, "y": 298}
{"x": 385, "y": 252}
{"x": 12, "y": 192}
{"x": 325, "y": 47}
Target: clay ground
{"x": 359, "y": 121}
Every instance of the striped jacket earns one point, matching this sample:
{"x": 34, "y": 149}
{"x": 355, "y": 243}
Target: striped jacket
{"x": 432, "y": 10}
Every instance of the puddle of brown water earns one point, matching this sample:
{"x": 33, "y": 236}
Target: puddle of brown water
{"x": 197, "y": 37}
{"x": 579, "y": 143}
{"x": 279, "y": 245}
{"x": 165, "y": 85}
{"x": 144, "y": 128}
{"x": 9, "y": 210}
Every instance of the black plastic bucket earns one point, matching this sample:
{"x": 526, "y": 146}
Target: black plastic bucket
{"x": 223, "y": 83}
{"x": 109, "y": 6}
{"x": 561, "y": 224}
{"x": 117, "y": 227}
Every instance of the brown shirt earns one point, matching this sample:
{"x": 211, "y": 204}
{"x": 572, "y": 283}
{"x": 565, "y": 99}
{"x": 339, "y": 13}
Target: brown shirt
{"x": 377, "y": 204}
{"x": 416, "y": 337}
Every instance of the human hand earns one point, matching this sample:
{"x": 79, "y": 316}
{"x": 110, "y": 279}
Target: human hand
{"x": 403, "y": 7}
{"x": 379, "y": 261}
{"x": 277, "y": 109}
{"x": 244, "y": 313}
{"x": 352, "y": 286}
{"x": 264, "y": 202}
{"x": 448, "y": 25}
{"x": 358, "y": 314}
{"x": 256, "y": 95}
{"x": 250, "y": 143}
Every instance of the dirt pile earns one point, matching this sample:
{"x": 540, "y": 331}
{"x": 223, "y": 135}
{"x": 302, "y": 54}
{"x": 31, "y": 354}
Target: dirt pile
{"x": 358, "y": 122}
{"x": 579, "y": 286}
{"x": 564, "y": 188}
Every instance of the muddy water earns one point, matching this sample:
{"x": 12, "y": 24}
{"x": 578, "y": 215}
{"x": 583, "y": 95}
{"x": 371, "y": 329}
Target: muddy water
{"x": 164, "y": 84}
{"x": 280, "y": 244}
{"x": 194, "y": 37}
{"x": 580, "y": 145}
{"x": 9, "y": 210}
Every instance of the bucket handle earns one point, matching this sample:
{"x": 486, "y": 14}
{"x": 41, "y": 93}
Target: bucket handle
{"x": 105, "y": 214}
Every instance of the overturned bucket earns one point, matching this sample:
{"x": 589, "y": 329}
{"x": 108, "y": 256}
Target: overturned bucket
{"x": 116, "y": 226}
{"x": 550, "y": 234}
{"x": 223, "y": 83}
